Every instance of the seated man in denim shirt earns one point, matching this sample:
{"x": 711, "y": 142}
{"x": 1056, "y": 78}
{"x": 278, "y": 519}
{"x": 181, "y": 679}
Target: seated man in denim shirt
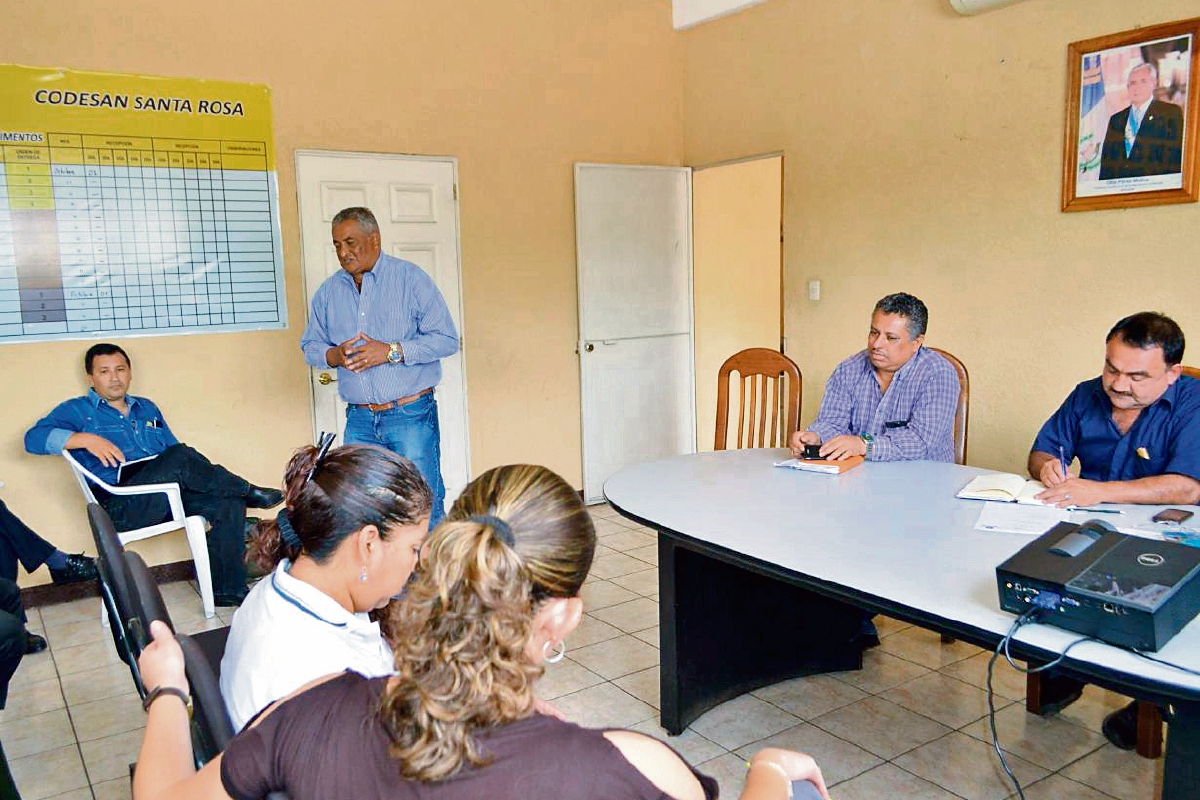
{"x": 106, "y": 428}
{"x": 1136, "y": 432}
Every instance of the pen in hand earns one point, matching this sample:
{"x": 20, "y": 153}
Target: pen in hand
{"x": 1062, "y": 459}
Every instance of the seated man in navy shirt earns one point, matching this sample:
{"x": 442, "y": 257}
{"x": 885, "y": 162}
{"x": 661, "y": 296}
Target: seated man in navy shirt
{"x": 106, "y": 428}
{"x": 1136, "y": 432}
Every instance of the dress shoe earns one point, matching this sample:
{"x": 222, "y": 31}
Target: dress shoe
{"x": 78, "y": 568}
{"x": 1120, "y": 727}
{"x": 262, "y": 497}
{"x": 1058, "y": 692}
{"x": 33, "y": 643}
{"x": 230, "y": 598}
{"x": 868, "y": 634}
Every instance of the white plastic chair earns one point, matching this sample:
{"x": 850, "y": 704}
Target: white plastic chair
{"x": 194, "y": 526}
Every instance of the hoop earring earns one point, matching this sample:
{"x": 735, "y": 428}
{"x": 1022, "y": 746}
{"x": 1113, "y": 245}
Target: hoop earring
{"x": 363, "y": 577}
{"x": 557, "y": 657}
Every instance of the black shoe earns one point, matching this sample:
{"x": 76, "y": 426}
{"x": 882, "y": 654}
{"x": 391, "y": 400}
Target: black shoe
{"x": 230, "y": 598}
{"x": 78, "y": 568}
{"x": 868, "y": 634}
{"x": 1058, "y": 692}
{"x": 33, "y": 643}
{"x": 1120, "y": 727}
{"x": 262, "y": 497}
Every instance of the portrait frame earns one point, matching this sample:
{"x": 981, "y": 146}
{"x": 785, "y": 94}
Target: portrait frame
{"x": 1097, "y": 100}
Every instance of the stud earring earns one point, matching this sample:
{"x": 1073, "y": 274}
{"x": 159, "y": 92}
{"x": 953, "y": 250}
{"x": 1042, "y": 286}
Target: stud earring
{"x": 363, "y": 577}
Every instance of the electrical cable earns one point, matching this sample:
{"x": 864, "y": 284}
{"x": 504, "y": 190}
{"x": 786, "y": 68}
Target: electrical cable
{"x": 991, "y": 694}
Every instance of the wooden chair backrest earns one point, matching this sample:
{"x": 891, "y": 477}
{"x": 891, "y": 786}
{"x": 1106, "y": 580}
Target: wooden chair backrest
{"x": 1192, "y": 372}
{"x": 963, "y": 409}
{"x": 769, "y": 392}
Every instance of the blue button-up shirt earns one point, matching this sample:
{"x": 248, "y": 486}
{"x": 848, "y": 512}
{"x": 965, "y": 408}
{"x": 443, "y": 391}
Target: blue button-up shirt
{"x": 140, "y": 433}
{"x": 913, "y": 420}
{"x": 1164, "y": 439}
{"x": 398, "y": 303}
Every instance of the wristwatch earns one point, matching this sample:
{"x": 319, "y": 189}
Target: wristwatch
{"x": 395, "y": 353}
{"x": 159, "y": 691}
{"x": 868, "y": 440}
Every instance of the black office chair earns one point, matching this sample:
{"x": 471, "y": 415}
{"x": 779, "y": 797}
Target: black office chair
{"x": 116, "y": 591}
{"x": 202, "y": 652}
{"x": 211, "y": 727}
{"x": 147, "y": 602}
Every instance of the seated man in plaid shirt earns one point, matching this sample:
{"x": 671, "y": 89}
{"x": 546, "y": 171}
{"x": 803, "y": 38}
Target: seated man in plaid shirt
{"x": 893, "y": 401}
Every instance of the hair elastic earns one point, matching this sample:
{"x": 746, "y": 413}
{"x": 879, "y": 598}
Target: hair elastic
{"x": 286, "y": 531}
{"x": 503, "y": 532}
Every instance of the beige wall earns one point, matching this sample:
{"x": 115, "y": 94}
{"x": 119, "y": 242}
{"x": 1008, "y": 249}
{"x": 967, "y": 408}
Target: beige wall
{"x": 517, "y": 91}
{"x": 923, "y": 154}
{"x": 735, "y": 280}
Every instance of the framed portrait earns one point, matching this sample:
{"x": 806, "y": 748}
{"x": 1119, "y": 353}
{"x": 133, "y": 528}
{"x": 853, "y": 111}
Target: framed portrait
{"x": 1132, "y": 118}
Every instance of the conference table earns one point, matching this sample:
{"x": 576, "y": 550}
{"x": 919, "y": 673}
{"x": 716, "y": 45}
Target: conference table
{"x": 763, "y": 570}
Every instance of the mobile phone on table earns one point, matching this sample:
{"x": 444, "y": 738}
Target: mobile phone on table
{"x": 1172, "y": 516}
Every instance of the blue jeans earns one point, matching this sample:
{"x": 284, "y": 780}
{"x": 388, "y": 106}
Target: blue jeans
{"x": 411, "y": 431}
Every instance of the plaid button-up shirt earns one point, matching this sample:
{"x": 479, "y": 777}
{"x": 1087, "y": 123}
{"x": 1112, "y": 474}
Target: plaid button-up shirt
{"x": 913, "y": 420}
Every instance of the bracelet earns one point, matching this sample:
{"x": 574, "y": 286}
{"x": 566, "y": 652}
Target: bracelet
{"x": 159, "y": 691}
{"x": 778, "y": 769}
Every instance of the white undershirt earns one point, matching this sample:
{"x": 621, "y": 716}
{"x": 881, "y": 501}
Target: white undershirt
{"x": 287, "y": 633}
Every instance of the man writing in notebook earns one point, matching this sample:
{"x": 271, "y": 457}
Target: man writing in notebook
{"x": 895, "y": 400}
{"x": 1136, "y": 432}
{"x": 108, "y": 428}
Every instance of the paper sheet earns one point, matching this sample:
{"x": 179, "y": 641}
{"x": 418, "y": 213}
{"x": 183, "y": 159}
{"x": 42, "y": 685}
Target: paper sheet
{"x": 1016, "y": 518}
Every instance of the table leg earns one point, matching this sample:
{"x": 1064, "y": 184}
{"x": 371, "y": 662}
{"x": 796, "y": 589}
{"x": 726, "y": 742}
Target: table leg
{"x": 726, "y": 629}
{"x": 1181, "y": 770}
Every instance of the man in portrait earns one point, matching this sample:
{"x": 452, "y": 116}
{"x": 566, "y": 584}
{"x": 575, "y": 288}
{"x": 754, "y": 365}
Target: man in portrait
{"x": 1146, "y": 137}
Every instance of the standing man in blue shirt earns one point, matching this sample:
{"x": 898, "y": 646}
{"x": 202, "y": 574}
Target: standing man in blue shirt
{"x": 1136, "y": 432}
{"x": 108, "y": 427}
{"x": 895, "y": 400}
{"x": 382, "y": 322}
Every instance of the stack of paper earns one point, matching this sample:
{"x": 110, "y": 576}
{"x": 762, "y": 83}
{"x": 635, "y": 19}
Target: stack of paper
{"x": 1012, "y": 518}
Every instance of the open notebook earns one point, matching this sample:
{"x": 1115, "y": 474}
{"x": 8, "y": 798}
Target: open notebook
{"x": 1003, "y": 487}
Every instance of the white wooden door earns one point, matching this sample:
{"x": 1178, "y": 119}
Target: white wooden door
{"x": 415, "y": 201}
{"x": 634, "y": 261}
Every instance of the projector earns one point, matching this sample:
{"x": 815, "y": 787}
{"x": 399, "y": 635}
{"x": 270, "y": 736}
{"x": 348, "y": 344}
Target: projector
{"x": 1091, "y": 579}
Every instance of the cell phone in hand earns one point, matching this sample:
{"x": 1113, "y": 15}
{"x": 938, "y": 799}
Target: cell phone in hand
{"x": 811, "y": 452}
{"x": 1172, "y": 516}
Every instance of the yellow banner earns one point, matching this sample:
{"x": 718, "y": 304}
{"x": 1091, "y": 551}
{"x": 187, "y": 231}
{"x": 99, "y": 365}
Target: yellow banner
{"x": 62, "y": 109}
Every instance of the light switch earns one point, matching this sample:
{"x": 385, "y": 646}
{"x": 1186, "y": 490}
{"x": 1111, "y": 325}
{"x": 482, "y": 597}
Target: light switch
{"x": 814, "y": 290}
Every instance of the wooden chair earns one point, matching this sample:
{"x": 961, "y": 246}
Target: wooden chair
{"x": 1192, "y": 372}
{"x": 768, "y": 398}
{"x": 194, "y": 526}
{"x": 962, "y": 410}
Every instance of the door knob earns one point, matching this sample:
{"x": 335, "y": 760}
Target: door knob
{"x": 589, "y": 347}
{"x": 325, "y": 379}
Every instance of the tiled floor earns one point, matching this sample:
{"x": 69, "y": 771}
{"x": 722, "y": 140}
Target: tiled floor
{"x": 911, "y": 724}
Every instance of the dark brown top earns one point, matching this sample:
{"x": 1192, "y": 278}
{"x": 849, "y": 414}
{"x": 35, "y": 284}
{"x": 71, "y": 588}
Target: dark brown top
{"x": 327, "y": 743}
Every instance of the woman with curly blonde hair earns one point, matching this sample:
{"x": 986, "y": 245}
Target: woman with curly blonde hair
{"x": 496, "y": 594}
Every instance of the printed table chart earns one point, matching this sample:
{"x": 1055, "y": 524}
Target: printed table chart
{"x": 113, "y": 233}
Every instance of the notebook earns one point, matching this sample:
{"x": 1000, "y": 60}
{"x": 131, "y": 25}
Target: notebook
{"x": 821, "y": 464}
{"x": 1003, "y": 487}
{"x": 127, "y": 469}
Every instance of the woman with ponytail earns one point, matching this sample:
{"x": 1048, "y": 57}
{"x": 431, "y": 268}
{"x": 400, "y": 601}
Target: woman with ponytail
{"x": 496, "y": 595}
{"x": 348, "y": 538}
